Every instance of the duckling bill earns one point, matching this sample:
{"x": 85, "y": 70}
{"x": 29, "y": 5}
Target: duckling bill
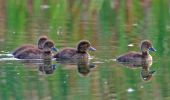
{"x": 145, "y": 47}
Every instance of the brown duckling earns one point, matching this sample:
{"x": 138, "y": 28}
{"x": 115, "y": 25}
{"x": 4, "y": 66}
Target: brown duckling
{"x": 76, "y": 53}
{"x": 41, "y": 41}
{"x": 146, "y": 46}
{"x": 34, "y": 53}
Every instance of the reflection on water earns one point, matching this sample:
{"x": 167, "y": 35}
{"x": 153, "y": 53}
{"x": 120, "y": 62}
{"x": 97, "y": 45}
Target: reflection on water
{"x": 112, "y": 26}
{"x": 145, "y": 65}
{"x": 83, "y": 66}
{"x": 47, "y": 67}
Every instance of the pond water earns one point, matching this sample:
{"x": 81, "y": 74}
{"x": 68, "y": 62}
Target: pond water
{"x": 112, "y": 30}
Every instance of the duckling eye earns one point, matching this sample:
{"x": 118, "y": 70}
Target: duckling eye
{"x": 50, "y": 45}
{"x": 84, "y": 46}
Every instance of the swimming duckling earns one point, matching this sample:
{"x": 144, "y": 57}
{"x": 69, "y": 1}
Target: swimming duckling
{"x": 76, "y": 53}
{"x": 34, "y": 53}
{"x": 41, "y": 40}
{"x": 146, "y": 46}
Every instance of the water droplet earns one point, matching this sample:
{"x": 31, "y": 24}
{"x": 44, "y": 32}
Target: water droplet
{"x": 135, "y": 24}
{"x": 67, "y": 75}
{"x": 113, "y": 59}
{"x": 141, "y": 86}
{"x": 98, "y": 62}
{"x": 129, "y": 90}
{"x": 105, "y": 82}
{"x": 2, "y": 51}
{"x": 3, "y": 81}
{"x": 130, "y": 45}
{"x": 45, "y": 6}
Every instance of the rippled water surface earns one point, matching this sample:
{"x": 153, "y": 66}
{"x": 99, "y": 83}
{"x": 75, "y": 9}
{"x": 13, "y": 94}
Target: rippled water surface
{"x": 112, "y": 27}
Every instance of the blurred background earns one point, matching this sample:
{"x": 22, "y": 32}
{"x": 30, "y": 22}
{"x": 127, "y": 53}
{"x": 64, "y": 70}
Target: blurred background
{"x": 112, "y": 26}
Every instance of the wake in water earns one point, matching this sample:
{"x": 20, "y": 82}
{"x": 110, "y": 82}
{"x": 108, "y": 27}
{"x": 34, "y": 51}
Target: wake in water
{"x": 6, "y": 57}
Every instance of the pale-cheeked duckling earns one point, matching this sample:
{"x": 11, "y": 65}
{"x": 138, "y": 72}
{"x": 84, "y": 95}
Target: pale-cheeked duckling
{"x": 34, "y": 53}
{"x": 76, "y": 53}
{"x": 146, "y": 46}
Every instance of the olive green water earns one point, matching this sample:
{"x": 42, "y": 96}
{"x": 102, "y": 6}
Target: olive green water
{"x": 112, "y": 26}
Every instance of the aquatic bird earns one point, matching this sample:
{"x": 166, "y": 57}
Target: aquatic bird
{"x": 35, "y": 53}
{"x": 144, "y": 55}
{"x": 76, "y": 53}
{"x": 41, "y": 40}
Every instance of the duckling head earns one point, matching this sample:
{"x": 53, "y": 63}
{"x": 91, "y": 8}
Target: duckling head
{"x": 84, "y": 45}
{"x": 41, "y": 41}
{"x": 48, "y": 46}
{"x": 146, "y": 46}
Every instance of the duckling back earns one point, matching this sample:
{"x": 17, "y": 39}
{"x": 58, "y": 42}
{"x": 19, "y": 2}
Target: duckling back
{"x": 66, "y": 53}
{"x": 129, "y": 57}
{"x": 29, "y": 53}
{"x": 71, "y": 53}
{"x": 20, "y": 49}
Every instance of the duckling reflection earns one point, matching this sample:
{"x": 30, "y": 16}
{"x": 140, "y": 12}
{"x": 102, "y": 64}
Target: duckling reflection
{"x": 146, "y": 73}
{"x": 83, "y": 66}
{"x": 47, "y": 67}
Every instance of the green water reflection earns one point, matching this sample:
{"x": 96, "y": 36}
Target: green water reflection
{"x": 110, "y": 26}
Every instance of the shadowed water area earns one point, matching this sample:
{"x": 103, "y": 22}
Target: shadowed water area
{"x": 113, "y": 27}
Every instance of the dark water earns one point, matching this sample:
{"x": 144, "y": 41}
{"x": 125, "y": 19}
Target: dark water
{"x": 112, "y": 29}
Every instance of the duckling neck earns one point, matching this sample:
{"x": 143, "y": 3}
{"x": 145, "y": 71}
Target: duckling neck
{"x": 81, "y": 51}
{"x": 145, "y": 54}
{"x": 46, "y": 54}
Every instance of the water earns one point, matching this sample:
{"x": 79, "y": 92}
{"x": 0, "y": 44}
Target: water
{"x": 110, "y": 28}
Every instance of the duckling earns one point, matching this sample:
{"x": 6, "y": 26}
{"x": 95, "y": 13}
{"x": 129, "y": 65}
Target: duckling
{"x": 41, "y": 40}
{"x": 34, "y": 53}
{"x": 146, "y": 46}
{"x": 76, "y": 53}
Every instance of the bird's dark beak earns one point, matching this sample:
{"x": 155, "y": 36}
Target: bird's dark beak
{"x": 92, "y": 48}
{"x": 152, "y": 72}
{"x": 54, "y": 49}
{"x": 152, "y": 49}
